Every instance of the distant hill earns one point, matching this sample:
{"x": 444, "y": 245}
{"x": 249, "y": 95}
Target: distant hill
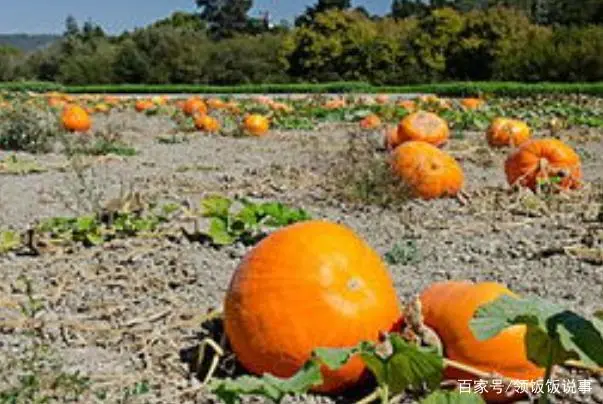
{"x": 27, "y": 43}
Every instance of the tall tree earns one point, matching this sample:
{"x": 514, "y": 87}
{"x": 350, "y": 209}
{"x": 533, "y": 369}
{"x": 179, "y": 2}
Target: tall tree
{"x": 321, "y": 7}
{"x": 225, "y": 17}
{"x": 407, "y": 8}
{"x": 71, "y": 27}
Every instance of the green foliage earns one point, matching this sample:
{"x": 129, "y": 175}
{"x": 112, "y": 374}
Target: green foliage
{"x": 247, "y": 224}
{"x": 405, "y": 253}
{"x": 396, "y": 365}
{"x": 9, "y": 240}
{"x": 27, "y": 127}
{"x": 93, "y": 230}
{"x": 554, "y": 335}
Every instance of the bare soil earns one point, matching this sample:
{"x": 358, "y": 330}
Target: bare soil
{"x": 128, "y": 312}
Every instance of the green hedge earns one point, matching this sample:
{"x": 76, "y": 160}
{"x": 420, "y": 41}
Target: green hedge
{"x": 444, "y": 89}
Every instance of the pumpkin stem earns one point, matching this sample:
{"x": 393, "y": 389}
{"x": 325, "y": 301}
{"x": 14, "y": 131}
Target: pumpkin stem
{"x": 415, "y": 330}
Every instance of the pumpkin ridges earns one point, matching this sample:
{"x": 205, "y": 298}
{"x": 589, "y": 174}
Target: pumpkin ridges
{"x": 427, "y": 171}
{"x": 277, "y": 301}
{"x": 424, "y": 126}
{"x": 525, "y": 166}
{"x": 507, "y": 132}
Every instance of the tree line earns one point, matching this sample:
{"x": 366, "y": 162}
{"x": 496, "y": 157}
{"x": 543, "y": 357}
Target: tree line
{"x": 418, "y": 41}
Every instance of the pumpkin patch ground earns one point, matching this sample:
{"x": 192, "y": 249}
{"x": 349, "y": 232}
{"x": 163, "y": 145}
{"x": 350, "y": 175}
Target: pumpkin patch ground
{"x": 121, "y": 313}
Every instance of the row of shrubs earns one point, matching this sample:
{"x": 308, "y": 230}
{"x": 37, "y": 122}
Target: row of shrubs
{"x": 445, "y": 45}
{"x": 454, "y": 89}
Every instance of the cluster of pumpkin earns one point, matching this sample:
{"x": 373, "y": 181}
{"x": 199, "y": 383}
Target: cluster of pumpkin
{"x": 318, "y": 284}
{"x": 76, "y": 112}
{"x": 430, "y": 172}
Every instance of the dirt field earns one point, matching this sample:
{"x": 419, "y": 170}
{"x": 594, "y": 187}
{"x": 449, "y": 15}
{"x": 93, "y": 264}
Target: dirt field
{"x": 124, "y": 314}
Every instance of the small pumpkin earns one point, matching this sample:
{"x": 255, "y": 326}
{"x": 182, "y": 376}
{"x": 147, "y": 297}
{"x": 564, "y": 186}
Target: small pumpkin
{"x": 74, "y": 118}
{"x": 144, "y": 105}
{"x": 308, "y": 285}
{"x": 507, "y": 132}
{"x": 206, "y": 123}
{"x": 256, "y": 124}
{"x": 544, "y": 159}
{"x": 371, "y": 121}
{"x": 449, "y": 306}
{"x": 335, "y": 104}
{"x": 193, "y": 106}
{"x": 472, "y": 103}
{"x": 424, "y": 126}
{"x": 408, "y": 105}
{"x": 216, "y": 103}
{"x": 382, "y": 99}
{"x": 427, "y": 171}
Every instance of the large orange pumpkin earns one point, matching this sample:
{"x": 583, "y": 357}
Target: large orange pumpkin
{"x": 543, "y": 159}
{"x": 507, "y": 132}
{"x": 449, "y": 306}
{"x": 425, "y": 126}
{"x": 308, "y": 285}
{"x": 75, "y": 119}
{"x": 256, "y": 125}
{"x": 427, "y": 171}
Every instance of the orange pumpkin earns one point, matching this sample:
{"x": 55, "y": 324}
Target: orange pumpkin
{"x": 143, "y": 105}
{"x": 425, "y": 126}
{"x": 408, "y": 105}
{"x": 206, "y": 123}
{"x": 335, "y": 104}
{"x": 447, "y": 309}
{"x": 193, "y": 106}
{"x": 472, "y": 103}
{"x": 427, "y": 171}
{"x": 507, "y": 132}
{"x": 75, "y": 119}
{"x": 216, "y": 103}
{"x": 382, "y": 99}
{"x": 308, "y": 285}
{"x": 391, "y": 138}
{"x": 371, "y": 121}
{"x": 544, "y": 159}
{"x": 256, "y": 125}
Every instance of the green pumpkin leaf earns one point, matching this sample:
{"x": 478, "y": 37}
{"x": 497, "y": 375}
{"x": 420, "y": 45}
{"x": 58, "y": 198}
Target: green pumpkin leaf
{"x": 94, "y": 239}
{"x": 453, "y": 397}
{"x": 406, "y": 366}
{"x": 334, "y": 358}
{"x": 218, "y": 231}
{"x": 9, "y": 240}
{"x": 231, "y": 390}
{"x": 554, "y": 334}
{"x": 216, "y": 206}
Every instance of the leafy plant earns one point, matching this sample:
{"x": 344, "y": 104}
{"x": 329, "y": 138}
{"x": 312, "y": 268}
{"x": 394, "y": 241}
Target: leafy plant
{"x": 554, "y": 335}
{"x": 405, "y": 253}
{"x": 9, "y": 240}
{"x": 249, "y": 223}
{"x": 396, "y": 364}
{"x": 27, "y": 127}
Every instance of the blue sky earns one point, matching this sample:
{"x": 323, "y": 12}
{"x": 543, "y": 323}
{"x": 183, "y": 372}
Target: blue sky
{"x": 48, "y": 16}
